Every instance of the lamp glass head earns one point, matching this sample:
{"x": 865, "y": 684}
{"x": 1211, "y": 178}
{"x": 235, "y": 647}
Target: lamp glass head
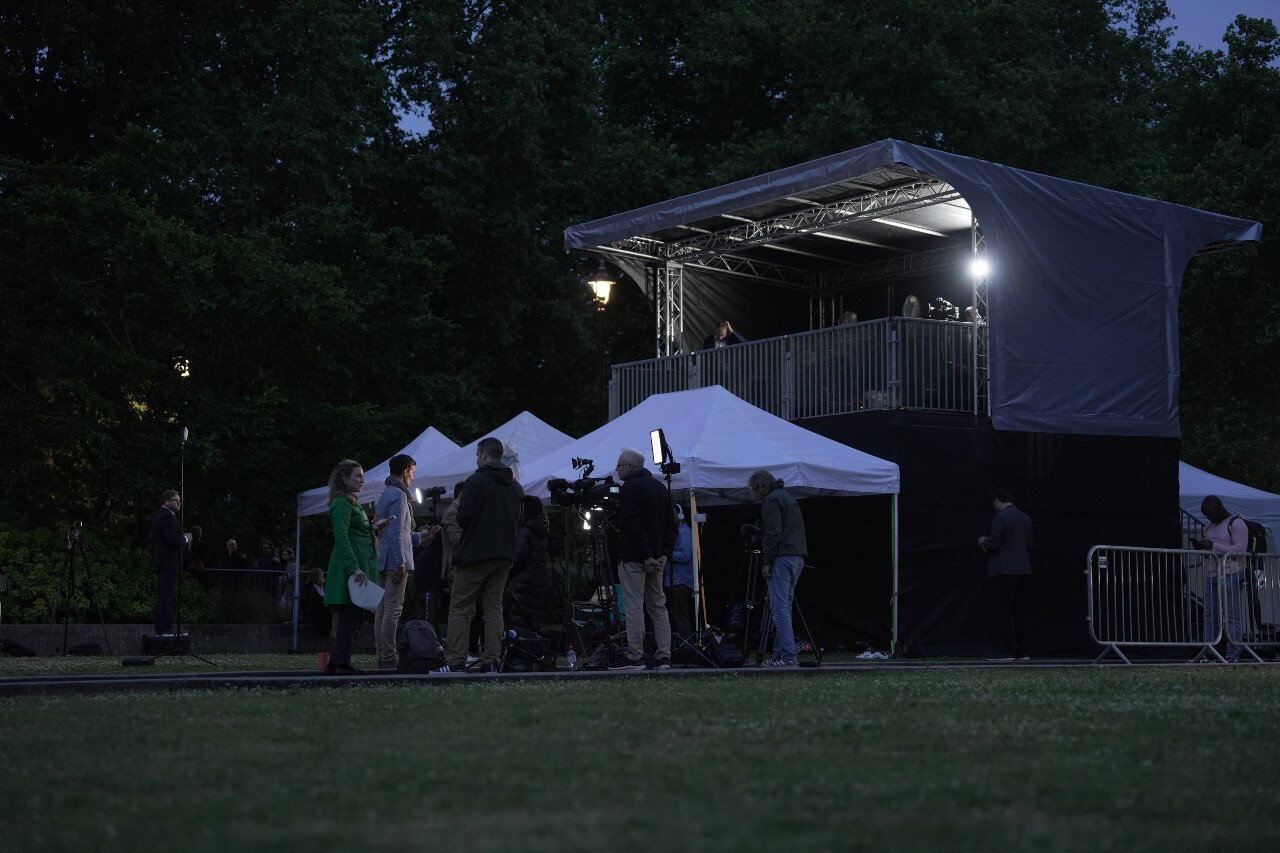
{"x": 979, "y": 268}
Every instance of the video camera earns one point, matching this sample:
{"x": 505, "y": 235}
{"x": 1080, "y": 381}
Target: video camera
{"x": 433, "y": 493}
{"x": 587, "y": 492}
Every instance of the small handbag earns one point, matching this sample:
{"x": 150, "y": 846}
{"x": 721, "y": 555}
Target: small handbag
{"x": 368, "y": 596}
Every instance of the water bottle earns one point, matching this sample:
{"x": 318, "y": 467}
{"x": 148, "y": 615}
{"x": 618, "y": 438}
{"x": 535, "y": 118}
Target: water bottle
{"x": 572, "y": 658}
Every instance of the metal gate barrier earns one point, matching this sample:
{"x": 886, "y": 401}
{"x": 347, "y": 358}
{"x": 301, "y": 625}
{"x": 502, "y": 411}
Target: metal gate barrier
{"x": 1157, "y": 597}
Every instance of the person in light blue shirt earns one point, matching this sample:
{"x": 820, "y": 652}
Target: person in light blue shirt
{"x": 678, "y": 580}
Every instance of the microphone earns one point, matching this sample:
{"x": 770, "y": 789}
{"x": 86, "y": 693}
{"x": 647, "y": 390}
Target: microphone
{"x": 184, "y": 435}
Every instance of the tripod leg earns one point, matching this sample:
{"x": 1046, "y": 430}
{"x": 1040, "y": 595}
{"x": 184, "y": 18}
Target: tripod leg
{"x": 817, "y": 652}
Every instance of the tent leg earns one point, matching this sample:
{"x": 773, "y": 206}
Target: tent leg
{"x": 893, "y": 637}
{"x": 297, "y": 579}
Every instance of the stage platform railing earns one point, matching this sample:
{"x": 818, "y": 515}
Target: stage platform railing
{"x": 894, "y": 363}
{"x": 1156, "y": 598}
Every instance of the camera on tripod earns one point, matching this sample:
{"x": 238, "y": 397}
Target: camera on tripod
{"x": 587, "y": 492}
{"x": 750, "y": 537}
{"x": 432, "y": 494}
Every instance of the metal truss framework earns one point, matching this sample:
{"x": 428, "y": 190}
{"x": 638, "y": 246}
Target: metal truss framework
{"x": 668, "y": 297}
{"x": 981, "y": 360}
{"x": 714, "y": 251}
{"x": 810, "y": 219}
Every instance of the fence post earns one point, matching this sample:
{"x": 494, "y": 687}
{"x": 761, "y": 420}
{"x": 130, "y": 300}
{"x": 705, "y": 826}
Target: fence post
{"x": 788, "y": 382}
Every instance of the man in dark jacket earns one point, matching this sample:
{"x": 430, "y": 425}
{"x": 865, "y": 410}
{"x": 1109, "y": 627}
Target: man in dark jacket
{"x": 1009, "y": 576}
{"x": 783, "y": 549}
{"x": 167, "y": 544}
{"x": 489, "y": 516}
{"x": 646, "y": 537}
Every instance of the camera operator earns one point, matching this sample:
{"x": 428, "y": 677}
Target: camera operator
{"x": 646, "y": 538}
{"x": 489, "y": 515}
{"x": 677, "y": 580}
{"x": 167, "y": 545}
{"x": 783, "y": 549}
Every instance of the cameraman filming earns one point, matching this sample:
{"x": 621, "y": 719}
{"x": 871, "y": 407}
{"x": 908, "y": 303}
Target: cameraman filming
{"x": 783, "y": 549}
{"x": 646, "y": 537}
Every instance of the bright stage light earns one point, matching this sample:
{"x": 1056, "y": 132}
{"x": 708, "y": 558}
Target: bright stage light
{"x": 979, "y": 268}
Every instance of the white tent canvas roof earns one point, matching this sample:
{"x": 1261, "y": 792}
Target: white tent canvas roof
{"x": 526, "y": 438}
{"x": 719, "y": 441}
{"x": 431, "y": 444}
{"x": 1254, "y": 504}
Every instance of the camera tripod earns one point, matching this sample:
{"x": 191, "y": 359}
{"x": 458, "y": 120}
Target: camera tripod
{"x": 751, "y": 566}
{"x": 77, "y": 549}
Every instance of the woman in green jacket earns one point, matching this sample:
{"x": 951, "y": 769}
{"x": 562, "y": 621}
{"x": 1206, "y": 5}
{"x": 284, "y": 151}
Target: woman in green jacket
{"x": 353, "y": 556}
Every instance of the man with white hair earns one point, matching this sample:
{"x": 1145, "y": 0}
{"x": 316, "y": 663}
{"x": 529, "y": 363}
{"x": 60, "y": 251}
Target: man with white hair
{"x": 646, "y": 537}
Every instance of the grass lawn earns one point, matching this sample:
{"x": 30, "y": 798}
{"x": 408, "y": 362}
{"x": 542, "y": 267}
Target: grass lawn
{"x": 1133, "y": 759}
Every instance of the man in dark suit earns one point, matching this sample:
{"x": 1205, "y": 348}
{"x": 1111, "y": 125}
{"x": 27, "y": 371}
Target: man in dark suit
{"x": 1009, "y": 575}
{"x": 167, "y": 544}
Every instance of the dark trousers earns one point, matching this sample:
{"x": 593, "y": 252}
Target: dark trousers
{"x": 680, "y": 611}
{"x": 166, "y": 585}
{"x": 349, "y": 619}
{"x": 431, "y": 608}
{"x": 1011, "y": 619}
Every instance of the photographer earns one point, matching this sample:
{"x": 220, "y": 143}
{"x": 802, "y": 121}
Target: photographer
{"x": 646, "y": 538}
{"x": 783, "y": 549}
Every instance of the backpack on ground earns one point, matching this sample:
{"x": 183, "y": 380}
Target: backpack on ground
{"x": 721, "y": 652}
{"x": 420, "y": 650}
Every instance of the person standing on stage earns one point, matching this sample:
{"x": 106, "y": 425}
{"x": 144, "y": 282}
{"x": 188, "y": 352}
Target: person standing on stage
{"x": 783, "y": 548}
{"x": 353, "y": 557}
{"x": 723, "y": 336}
{"x": 646, "y": 538}
{"x": 396, "y": 542}
{"x": 167, "y": 544}
{"x": 489, "y": 516}
{"x": 1009, "y": 576}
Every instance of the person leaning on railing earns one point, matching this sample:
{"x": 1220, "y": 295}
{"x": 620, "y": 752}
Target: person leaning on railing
{"x": 1228, "y": 537}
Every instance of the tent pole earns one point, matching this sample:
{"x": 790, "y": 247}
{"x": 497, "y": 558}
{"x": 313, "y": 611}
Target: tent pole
{"x": 699, "y": 605}
{"x": 297, "y": 579}
{"x": 893, "y": 638}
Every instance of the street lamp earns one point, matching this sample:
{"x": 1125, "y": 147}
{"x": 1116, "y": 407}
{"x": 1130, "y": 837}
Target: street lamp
{"x": 601, "y": 284}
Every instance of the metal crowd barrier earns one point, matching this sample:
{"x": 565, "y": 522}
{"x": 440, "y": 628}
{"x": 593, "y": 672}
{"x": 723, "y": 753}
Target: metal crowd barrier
{"x": 1155, "y": 598}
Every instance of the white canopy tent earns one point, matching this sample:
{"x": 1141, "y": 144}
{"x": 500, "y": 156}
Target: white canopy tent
{"x": 431, "y": 444}
{"x": 719, "y": 441}
{"x": 526, "y": 438}
{"x": 1254, "y": 504}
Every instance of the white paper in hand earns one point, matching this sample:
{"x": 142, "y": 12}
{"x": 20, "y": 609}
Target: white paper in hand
{"x": 368, "y": 596}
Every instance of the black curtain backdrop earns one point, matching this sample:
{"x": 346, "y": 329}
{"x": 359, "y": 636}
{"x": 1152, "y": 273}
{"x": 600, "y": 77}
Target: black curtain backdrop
{"x": 1079, "y": 490}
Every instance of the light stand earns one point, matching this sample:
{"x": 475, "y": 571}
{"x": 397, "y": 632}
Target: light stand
{"x": 179, "y": 648}
{"x": 76, "y": 545}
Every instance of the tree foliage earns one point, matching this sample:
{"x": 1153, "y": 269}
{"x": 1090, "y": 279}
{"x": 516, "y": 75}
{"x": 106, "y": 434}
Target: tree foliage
{"x": 224, "y": 187}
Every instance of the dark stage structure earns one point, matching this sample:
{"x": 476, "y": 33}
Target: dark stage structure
{"x": 979, "y": 325}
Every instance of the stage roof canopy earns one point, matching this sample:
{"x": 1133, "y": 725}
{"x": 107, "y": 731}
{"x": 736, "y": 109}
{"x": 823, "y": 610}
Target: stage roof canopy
{"x": 1082, "y": 289}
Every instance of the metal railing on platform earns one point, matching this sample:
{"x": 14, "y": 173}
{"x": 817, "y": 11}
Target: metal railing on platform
{"x": 895, "y": 363}
{"x": 1182, "y": 598}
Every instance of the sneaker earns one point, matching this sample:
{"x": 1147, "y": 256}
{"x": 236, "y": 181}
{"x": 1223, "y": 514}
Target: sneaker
{"x": 1233, "y": 656}
{"x": 448, "y": 669}
{"x": 872, "y": 655}
{"x": 662, "y": 663}
{"x": 628, "y": 665}
{"x": 778, "y": 663}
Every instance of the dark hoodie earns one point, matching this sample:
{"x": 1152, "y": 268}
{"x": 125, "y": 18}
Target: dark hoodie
{"x": 528, "y": 584}
{"x": 489, "y": 515}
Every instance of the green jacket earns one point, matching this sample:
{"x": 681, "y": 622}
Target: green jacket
{"x": 489, "y": 515}
{"x": 352, "y": 549}
{"x": 781, "y": 527}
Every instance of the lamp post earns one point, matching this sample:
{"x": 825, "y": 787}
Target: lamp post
{"x": 601, "y": 284}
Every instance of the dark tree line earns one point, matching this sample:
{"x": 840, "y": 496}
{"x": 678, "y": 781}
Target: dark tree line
{"x": 222, "y": 189}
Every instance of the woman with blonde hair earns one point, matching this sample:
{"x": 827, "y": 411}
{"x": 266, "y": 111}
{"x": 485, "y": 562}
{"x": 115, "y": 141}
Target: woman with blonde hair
{"x": 353, "y": 557}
